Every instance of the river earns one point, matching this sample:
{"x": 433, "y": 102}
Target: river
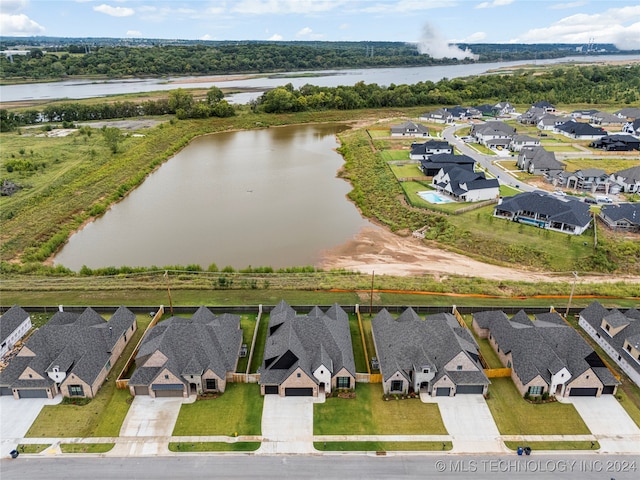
{"x": 259, "y": 197}
{"x": 77, "y": 89}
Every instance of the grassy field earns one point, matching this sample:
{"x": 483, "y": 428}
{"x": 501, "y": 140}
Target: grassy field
{"x": 565, "y": 445}
{"x": 86, "y": 447}
{"x": 561, "y": 148}
{"x": 406, "y": 171}
{"x": 213, "y": 447}
{"x": 32, "y": 447}
{"x": 609, "y": 165}
{"x": 382, "y": 446}
{"x": 370, "y": 414}
{"x": 237, "y": 410}
{"x": 101, "y": 416}
{"x": 515, "y": 416}
{"x": 394, "y": 155}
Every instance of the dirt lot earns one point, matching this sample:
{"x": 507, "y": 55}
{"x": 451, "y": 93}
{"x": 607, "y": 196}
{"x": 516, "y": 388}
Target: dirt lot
{"x": 376, "y": 249}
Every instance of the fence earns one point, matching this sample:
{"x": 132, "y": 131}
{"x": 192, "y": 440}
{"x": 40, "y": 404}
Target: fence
{"x": 243, "y": 377}
{"x": 497, "y": 372}
{"x": 123, "y": 383}
{"x": 368, "y": 378}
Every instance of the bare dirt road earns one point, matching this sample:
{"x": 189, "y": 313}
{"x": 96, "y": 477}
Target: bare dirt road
{"x": 375, "y": 249}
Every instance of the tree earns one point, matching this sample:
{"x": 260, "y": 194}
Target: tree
{"x": 214, "y": 95}
{"x": 112, "y": 136}
{"x": 180, "y": 99}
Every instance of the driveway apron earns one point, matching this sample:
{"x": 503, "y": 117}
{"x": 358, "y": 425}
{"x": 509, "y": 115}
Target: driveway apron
{"x": 468, "y": 420}
{"x": 287, "y": 425}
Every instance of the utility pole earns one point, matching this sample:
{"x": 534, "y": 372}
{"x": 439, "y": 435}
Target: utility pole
{"x": 166, "y": 275}
{"x": 371, "y": 293}
{"x": 573, "y": 287}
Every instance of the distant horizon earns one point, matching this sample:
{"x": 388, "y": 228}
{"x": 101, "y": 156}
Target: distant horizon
{"x": 432, "y": 24}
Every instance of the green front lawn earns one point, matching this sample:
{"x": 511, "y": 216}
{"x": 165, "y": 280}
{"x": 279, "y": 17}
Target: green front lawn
{"x": 32, "y": 447}
{"x": 515, "y": 416}
{"x": 100, "y": 417}
{"x": 213, "y": 447}
{"x": 86, "y": 447}
{"x": 562, "y": 445}
{"x": 370, "y": 414}
{"x": 237, "y": 411}
{"x": 382, "y": 446}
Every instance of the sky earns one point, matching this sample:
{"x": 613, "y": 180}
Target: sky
{"x": 431, "y": 21}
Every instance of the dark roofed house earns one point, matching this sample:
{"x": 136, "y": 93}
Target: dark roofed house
{"x": 580, "y": 131}
{"x": 409, "y": 129}
{"x": 632, "y": 127}
{"x": 435, "y": 356}
{"x": 432, "y": 165}
{"x": 544, "y": 210}
{"x": 545, "y": 355}
{"x": 441, "y": 115}
{"x": 306, "y": 355}
{"x": 493, "y": 133}
{"x": 624, "y": 216}
{"x": 617, "y": 143}
{"x": 72, "y": 355}
{"x": 546, "y": 106}
{"x": 465, "y": 185}
{"x": 180, "y": 356}
{"x": 604, "y": 118}
{"x": 14, "y": 324}
{"x": 518, "y": 142}
{"x": 538, "y": 161}
{"x": 618, "y": 333}
{"x": 422, "y": 151}
{"x": 590, "y": 179}
{"x": 630, "y": 113}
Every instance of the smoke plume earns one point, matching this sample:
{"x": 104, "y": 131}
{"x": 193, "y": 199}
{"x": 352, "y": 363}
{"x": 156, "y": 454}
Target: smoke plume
{"x": 434, "y": 45}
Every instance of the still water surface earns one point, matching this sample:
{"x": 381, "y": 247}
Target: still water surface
{"x": 261, "y": 197}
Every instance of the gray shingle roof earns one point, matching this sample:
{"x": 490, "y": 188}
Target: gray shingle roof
{"x": 192, "y": 346}
{"x": 10, "y": 320}
{"x": 306, "y": 341}
{"x": 561, "y": 209}
{"x": 409, "y": 343}
{"x": 622, "y": 211}
{"x": 77, "y": 343}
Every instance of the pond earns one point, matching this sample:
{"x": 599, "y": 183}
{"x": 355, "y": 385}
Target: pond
{"x": 266, "y": 197}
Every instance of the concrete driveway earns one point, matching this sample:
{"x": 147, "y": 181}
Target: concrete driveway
{"x": 151, "y": 417}
{"x": 608, "y": 421}
{"x": 16, "y": 416}
{"x": 287, "y": 424}
{"x": 468, "y": 420}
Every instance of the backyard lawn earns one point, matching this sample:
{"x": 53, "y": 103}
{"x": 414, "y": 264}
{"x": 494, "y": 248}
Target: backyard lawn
{"x": 237, "y": 410}
{"x": 248, "y": 325}
{"x": 516, "y": 416}
{"x": 403, "y": 171}
{"x": 394, "y": 155}
{"x": 370, "y": 414}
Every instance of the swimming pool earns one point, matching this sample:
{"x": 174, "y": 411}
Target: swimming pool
{"x": 433, "y": 197}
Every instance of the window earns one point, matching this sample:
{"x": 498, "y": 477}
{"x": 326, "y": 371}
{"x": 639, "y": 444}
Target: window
{"x": 459, "y": 367}
{"x": 298, "y": 375}
{"x": 509, "y": 364}
{"x": 30, "y": 376}
{"x": 166, "y": 377}
{"x": 628, "y": 348}
{"x": 211, "y": 384}
{"x": 425, "y": 370}
{"x": 106, "y": 367}
{"x": 344, "y": 382}
{"x": 606, "y": 327}
{"x": 396, "y": 386}
{"x": 587, "y": 377}
{"x": 536, "y": 390}
{"x": 76, "y": 391}
{"x": 191, "y": 376}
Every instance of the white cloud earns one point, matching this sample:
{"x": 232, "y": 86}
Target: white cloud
{"x": 474, "y": 37}
{"x": 563, "y": 6}
{"x": 344, "y": 26}
{"x": 134, "y": 33}
{"x": 407, "y": 6}
{"x": 306, "y": 31}
{"x": 206, "y": 36}
{"x": 494, "y": 4}
{"x": 261, "y": 7}
{"x": 19, "y": 25}
{"x": 114, "y": 11}
{"x": 13, "y": 6}
{"x": 620, "y": 26}
{"x": 276, "y": 37}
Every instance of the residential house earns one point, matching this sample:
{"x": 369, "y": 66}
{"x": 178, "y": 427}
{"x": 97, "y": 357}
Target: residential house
{"x": 436, "y": 355}
{"x": 487, "y": 110}
{"x": 580, "y": 131}
{"x": 590, "y": 179}
{"x": 493, "y": 134}
{"x": 181, "y": 356}
{"x": 532, "y": 116}
{"x": 306, "y": 355}
{"x": 544, "y": 105}
{"x": 632, "y": 127}
{"x": 544, "y": 210}
{"x": 623, "y": 216}
{"x": 618, "y": 333}
{"x": 545, "y": 355}
{"x": 628, "y": 179}
{"x": 617, "y": 143}
{"x": 518, "y": 142}
{"x": 441, "y": 115}
{"x": 538, "y": 161}
{"x": 629, "y": 113}
{"x": 409, "y": 129}
{"x": 466, "y": 186}
{"x": 464, "y": 113}
{"x": 422, "y": 151}
{"x": 504, "y": 108}
{"x": 604, "y": 118}
{"x": 72, "y": 354}
{"x": 14, "y": 324}
{"x": 432, "y": 165}
{"x": 586, "y": 114}
{"x": 549, "y": 122}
